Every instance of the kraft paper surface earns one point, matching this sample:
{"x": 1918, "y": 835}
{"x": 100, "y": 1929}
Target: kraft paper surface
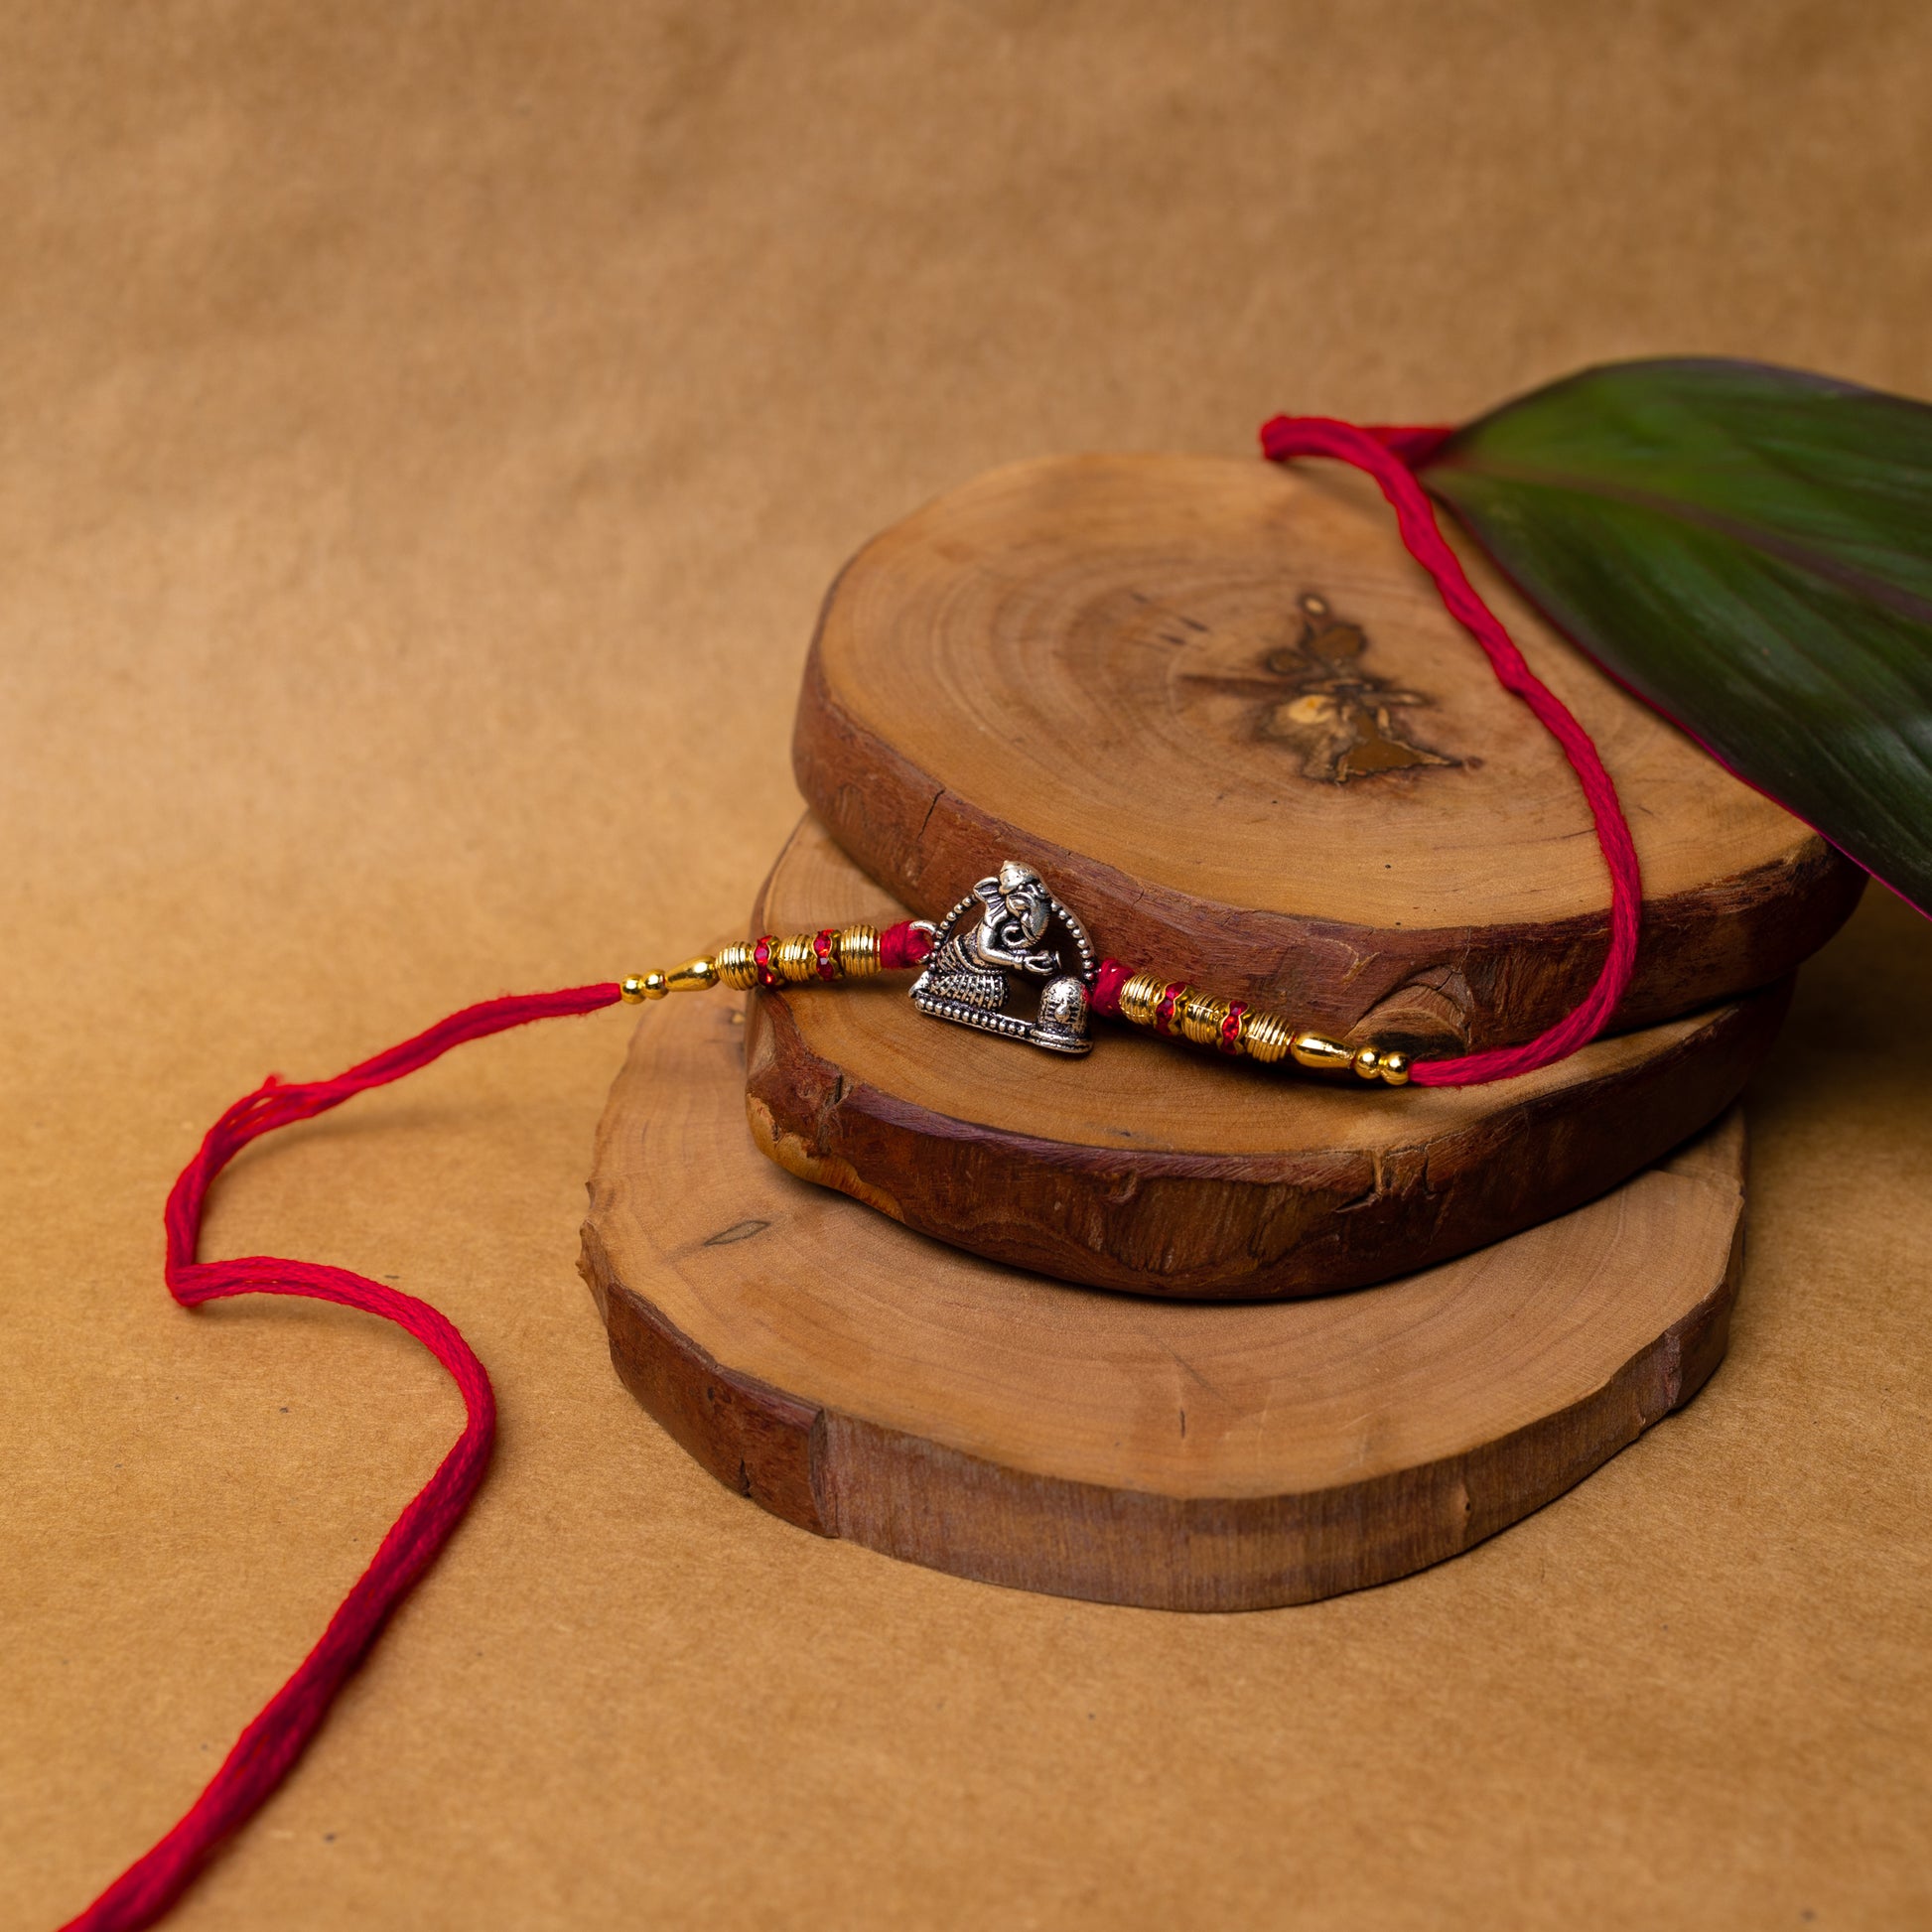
{"x": 425, "y": 437}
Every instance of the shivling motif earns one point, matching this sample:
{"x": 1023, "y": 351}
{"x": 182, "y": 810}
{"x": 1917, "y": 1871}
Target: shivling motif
{"x": 982, "y": 976}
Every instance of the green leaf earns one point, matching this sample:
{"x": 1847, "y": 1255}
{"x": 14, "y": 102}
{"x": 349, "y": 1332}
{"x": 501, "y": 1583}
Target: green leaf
{"x": 1749, "y": 549}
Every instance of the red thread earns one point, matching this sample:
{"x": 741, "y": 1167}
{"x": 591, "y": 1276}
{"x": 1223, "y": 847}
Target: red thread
{"x": 1107, "y": 983}
{"x": 1386, "y": 453}
{"x": 275, "y": 1739}
{"x": 903, "y": 946}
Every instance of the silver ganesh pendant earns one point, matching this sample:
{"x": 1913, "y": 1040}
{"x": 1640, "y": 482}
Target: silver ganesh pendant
{"x": 981, "y": 975}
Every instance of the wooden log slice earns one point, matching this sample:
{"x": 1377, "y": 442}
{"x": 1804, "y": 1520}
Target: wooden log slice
{"x": 1217, "y": 702}
{"x": 861, "y": 1382}
{"x": 1164, "y": 1170}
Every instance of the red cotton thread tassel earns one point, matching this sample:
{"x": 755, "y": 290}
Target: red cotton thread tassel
{"x": 264, "y": 1752}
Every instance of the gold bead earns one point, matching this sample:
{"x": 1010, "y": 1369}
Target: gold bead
{"x": 1368, "y": 1063}
{"x": 737, "y": 964}
{"x": 1140, "y": 996}
{"x": 1200, "y": 1017}
{"x": 1265, "y": 1037}
{"x": 698, "y": 975}
{"x": 1323, "y": 1054}
{"x": 1395, "y": 1070}
{"x": 657, "y": 985}
{"x": 795, "y": 958}
{"x": 857, "y": 951}
{"x": 632, "y": 989}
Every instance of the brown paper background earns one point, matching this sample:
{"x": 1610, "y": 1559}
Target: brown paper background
{"x": 425, "y": 434}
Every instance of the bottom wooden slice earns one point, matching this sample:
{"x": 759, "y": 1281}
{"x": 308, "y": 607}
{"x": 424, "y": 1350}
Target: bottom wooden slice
{"x": 1165, "y": 1170}
{"x": 862, "y": 1381}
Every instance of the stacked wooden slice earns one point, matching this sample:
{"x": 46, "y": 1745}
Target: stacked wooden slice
{"x": 1219, "y": 709}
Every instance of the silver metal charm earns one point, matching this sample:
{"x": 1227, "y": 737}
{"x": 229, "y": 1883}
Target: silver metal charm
{"x": 979, "y": 976}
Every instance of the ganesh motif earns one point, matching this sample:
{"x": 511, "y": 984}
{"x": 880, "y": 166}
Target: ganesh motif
{"x": 977, "y": 976}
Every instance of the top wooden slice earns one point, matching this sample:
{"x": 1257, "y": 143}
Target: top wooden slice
{"x": 1222, "y": 711}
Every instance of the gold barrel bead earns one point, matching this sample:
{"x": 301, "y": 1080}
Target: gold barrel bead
{"x": 1323, "y": 1054}
{"x": 857, "y": 951}
{"x": 1265, "y": 1037}
{"x": 795, "y": 958}
{"x": 1140, "y": 996}
{"x": 737, "y": 965}
{"x": 1200, "y": 1017}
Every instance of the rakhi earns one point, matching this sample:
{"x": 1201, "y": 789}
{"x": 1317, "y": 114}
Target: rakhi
{"x": 977, "y": 977}
{"x": 965, "y": 976}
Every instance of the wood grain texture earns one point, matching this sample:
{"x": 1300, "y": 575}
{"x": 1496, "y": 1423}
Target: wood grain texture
{"x": 1163, "y": 1170}
{"x": 861, "y": 1382}
{"x": 1104, "y": 665}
